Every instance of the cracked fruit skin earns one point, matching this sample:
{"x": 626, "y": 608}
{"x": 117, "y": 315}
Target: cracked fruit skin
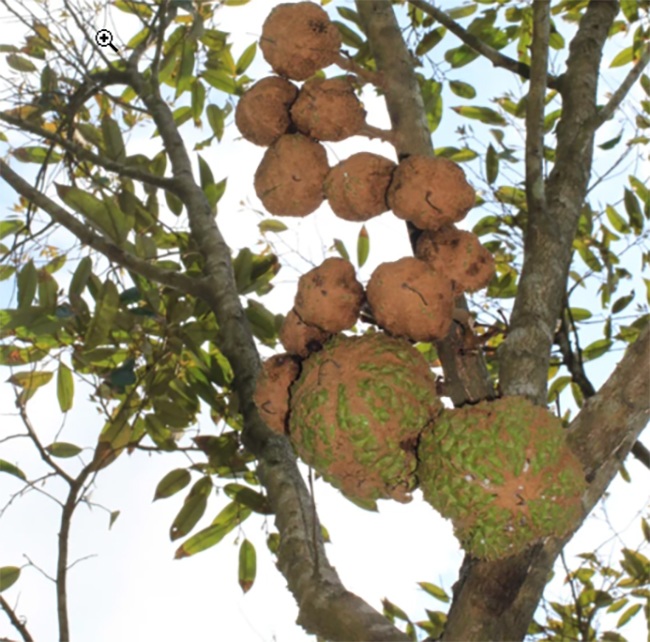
{"x": 503, "y": 473}
{"x": 357, "y": 411}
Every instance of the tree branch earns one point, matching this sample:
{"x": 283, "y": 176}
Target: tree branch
{"x": 606, "y": 112}
{"x": 15, "y": 621}
{"x": 86, "y": 235}
{"x": 122, "y": 169}
{"x": 466, "y": 372}
{"x": 496, "y": 58}
{"x": 524, "y": 356}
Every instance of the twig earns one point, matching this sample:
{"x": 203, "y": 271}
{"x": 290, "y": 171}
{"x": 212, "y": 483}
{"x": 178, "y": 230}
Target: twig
{"x": 496, "y": 58}
{"x": 16, "y": 621}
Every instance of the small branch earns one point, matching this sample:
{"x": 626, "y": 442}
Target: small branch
{"x": 496, "y": 58}
{"x": 385, "y": 135}
{"x": 617, "y": 97}
{"x": 86, "y": 235}
{"x": 348, "y": 64}
{"x": 15, "y": 620}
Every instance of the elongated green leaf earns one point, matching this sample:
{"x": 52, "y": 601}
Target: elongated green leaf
{"x": 434, "y": 591}
{"x": 484, "y": 114}
{"x": 8, "y": 576}
{"x": 192, "y": 510}
{"x": 27, "y": 284}
{"x": 429, "y": 41}
{"x": 246, "y": 58}
{"x": 623, "y": 57}
{"x": 113, "y": 140}
{"x": 216, "y": 119}
{"x": 20, "y": 63}
{"x": 272, "y": 225}
{"x": 617, "y": 221}
{"x": 349, "y": 37}
{"x": 30, "y": 380}
{"x": 462, "y": 89}
{"x": 363, "y": 246}
{"x": 393, "y": 611}
{"x": 633, "y": 210}
{"x": 628, "y": 615}
{"x": 247, "y": 565}
{"x": 220, "y": 80}
{"x": 63, "y": 449}
{"x": 462, "y": 11}
{"x": 596, "y": 349}
{"x": 105, "y": 312}
{"x": 248, "y": 497}
{"x": 36, "y": 155}
{"x": 6, "y": 467}
{"x": 172, "y": 482}
{"x": 491, "y": 164}
{"x": 64, "y": 387}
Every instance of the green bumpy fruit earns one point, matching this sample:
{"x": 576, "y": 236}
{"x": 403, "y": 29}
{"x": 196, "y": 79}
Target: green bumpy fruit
{"x": 503, "y": 473}
{"x": 357, "y": 411}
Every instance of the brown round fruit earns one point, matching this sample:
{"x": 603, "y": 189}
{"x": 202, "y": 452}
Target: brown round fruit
{"x": 458, "y": 255}
{"x": 299, "y": 338}
{"x": 272, "y": 390}
{"x": 299, "y": 39}
{"x": 356, "y": 187}
{"x": 289, "y": 180}
{"x": 262, "y": 113}
{"x": 329, "y": 296}
{"x": 430, "y": 192}
{"x": 328, "y": 109}
{"x": 409, "y": 299}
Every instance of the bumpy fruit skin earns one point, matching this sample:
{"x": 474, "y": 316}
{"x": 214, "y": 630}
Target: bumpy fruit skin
{"x": 357, "y": 411}
{"x": 329, "y": 296}
{"x": 502, "y": 472}
{"x": 298, "y": 39}
{"x": 299, "y": 338}
{"x": 356, "y": 187}
{"x": 408, "y": 299}
{"x": 272, "y": 390}
{"x": 458, "y": 255}
{"x": 289, "y": 180}
{"x": 328, "y": 109}
{"x": 430, "y": 192}
{"x": 262, "y": 113}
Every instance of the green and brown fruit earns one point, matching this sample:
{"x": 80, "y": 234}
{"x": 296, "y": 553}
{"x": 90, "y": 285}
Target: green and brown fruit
{"x": 289, "y": 180}
{"x": 272, "y": 390}
{"x": 356, "y": 188}
{"x": 430, "y": 192}
{"x": 298, "y": 39}
{"x": 299, "y": 338}
{"x": 458, "y": 255}
{"x": 408, "y": 299}
{"x": 262, "y": 113}
{"x": 502, "y": 472}
{"x": 329, "y": 296}
{"x": 357, "y": 411}
{"x": 328, "y": 109}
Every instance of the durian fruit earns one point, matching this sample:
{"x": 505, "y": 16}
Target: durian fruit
{"x": 430, "y": 192}
{"x": 299, "y": 338}
{"x": 503, "y": 473}
{"x": 356, "y": 187}
{"x": 272, "y": 390}
{"x": 458, "y": 255}
{"x": 357, "y": 411}
{"x": 408, "y": 299}
{"x": 262, "y": 113}
{"x": 329, "y": 296}
{"x": 328, "y": 109}
{"x": 289, "y": 180}
{"x": 298, "y": 39}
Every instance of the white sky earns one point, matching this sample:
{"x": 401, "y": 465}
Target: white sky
{"x": 132, "y": 589}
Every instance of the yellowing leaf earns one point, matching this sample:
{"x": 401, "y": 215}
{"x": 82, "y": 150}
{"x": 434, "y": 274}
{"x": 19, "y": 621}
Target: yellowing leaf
{"x": 363, "y": 246}
{"x": 247, "y": 565}
{"x": 8, "y": 576}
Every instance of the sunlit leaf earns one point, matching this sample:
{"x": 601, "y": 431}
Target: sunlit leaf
{"x": 434, "y": 591}
{"x": 64, "y": 387}
{"x": 429, "y": 41}
{"x": 363, "y": 246}
{"x": 247, "y": 565}
{"x": 172, "y": 482}
{"x": 8, "y": 576}
{"x": 462, "y": 89}
{"x": 484, "y": 114}
{"x": 623, "y": 57}
{"x": 246, "y": 58}
{"x": 192, "y": 510}
{"x": 6, "y": 467}
{"x": 63, "y": 449}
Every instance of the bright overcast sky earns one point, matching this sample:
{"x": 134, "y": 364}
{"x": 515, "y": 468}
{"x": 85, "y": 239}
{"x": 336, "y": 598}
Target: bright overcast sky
{"x": 131, "y": 589}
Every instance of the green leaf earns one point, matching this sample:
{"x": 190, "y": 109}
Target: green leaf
{"x": 30, "y": 380}
{"x": 628, "y": 614}
{"x": 623, "y": 57}
{"x": 64, "y": 387}
{"x": 248, "y": 497}
{"x": 205, "y": 173}
{"x": 272, "y": 225}
{"x": 173, "y": 482}
{"x": 247, "y": 565}
{"x": 6, "y": 467}
{"x": 20, "y": 64}
{"x": 216, "y": 119}
{"x": 429, "y": 41}
{"x": 193, "y": 508}
{"x": 393, "y": 611}
{"x": 610, "y": 144}
{"x": 596, "y": 349}
{"x": 630, "y": 9}
{"x": 8, "y": 576}
{"x": 113, "y": 140}
{"x": 621, "y": 303}
{"x": 36, "y": 155}
{"x": 580, "y": 314}
{"x": 462, "y": 89}
{"x": 433, "y": 104}
{"x": 434, "y": 591}
{"x": 220, "y": 80}
{"x": 349, "y": 37}
{"x": 100, "y": 326}
{"x": 363, "y": 246}
{"x": 617, "y": 221}
{"x": 10, "y": 226}
{"x": 246, "y": 58}
{"x": 230, "y": 517}
{"x": 341, "y": 249}
{"x": 27, "y": 283}
{"x": 462, "y": 12}
{"x": 63, "y": 449}
{"x": 460, "y": 56}
{"x": 484, "y": 114}
{"x": 352, "y": 16}
{"x": 491, "y": 164}
{"x": 174, "y": 203}
{"x": 633, "y": 210}
{"x": 198, "y": 100}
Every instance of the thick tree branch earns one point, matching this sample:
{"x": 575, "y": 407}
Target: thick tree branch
{"x": 496, "y": 58}
{"x": 606, "y": 112}
{"x": 465, "y": 371}
{"x": 15, "y": 620}
{"x": 524, "y": 356}
{"x": 497, "y": 600}
{"x": 86, "y": 235}
{"x": 80, "y": 152}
